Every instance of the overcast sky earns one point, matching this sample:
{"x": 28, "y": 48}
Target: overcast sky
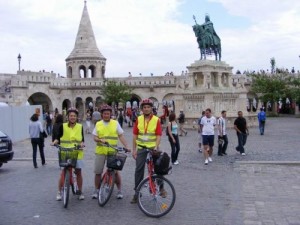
{"x": 149, "y": 36}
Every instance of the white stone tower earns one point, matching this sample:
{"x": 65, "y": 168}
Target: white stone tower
{"x": 85, "y": 61}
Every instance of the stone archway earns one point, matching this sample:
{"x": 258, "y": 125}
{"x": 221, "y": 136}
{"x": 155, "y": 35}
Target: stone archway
{"x": 79, "y": 106}
{"x": 66, "y": 104}
{"x": 40, "y": 98}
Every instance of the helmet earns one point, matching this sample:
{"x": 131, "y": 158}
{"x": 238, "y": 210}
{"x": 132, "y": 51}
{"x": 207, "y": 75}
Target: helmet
{"x": 105, "y": 108}
{"x": 146, "y": 101}
{"x": 72, "y": 109}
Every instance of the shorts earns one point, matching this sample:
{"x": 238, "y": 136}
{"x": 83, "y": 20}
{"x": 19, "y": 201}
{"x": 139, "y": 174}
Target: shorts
{"x": 99, "y": 163}
{"x": 208, "y": 140}
{"x": 79, "y": 164}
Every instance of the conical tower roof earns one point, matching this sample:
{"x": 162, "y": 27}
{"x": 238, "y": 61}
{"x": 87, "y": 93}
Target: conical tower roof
{"x": 85, "y": 44}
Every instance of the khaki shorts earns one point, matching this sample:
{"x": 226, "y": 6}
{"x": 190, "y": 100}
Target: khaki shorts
{"x": 99, "y": 163}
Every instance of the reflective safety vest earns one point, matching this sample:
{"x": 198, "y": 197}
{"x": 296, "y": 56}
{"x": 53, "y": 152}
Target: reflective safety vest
{"x": 109, "y": 133}
{"x": 146, "y": 136}
{"x": 71, "y": 137}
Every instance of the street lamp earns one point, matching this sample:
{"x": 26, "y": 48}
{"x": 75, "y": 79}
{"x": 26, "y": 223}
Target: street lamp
{"x": 19, "y": 60}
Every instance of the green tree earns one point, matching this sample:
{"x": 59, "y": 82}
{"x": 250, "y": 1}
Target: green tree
{"x": 116, "y": 92}
{"x": 273, "y": 63}
{"x": 270, "y": 87}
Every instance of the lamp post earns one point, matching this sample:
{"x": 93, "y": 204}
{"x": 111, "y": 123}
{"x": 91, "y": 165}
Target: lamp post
{"x": 19, "y": 60}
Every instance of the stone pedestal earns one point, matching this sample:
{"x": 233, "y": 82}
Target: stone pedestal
{"x": 210, "y": 86}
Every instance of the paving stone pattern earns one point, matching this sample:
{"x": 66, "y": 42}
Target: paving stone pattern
{"x": 260, "y": 188}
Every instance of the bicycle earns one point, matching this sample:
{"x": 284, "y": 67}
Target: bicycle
{"x": 68, "y": 159}
{"x": 114, "y": 162}
{"x": 155, "y": 194}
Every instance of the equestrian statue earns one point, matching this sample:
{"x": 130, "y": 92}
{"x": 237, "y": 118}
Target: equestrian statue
{"x": 207, "y": 38}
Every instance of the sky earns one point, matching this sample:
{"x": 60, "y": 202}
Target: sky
{"x": 149, "y": 36}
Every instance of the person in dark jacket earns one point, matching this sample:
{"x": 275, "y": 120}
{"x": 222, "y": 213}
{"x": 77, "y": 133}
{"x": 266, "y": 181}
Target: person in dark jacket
{"x": 57, "y": 124}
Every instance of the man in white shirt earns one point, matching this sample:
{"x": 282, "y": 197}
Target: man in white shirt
{"x": 207, "y": 124}
{"x": 222, "y": 136}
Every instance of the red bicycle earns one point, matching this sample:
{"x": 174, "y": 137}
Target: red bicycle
{"x": 68, "y": 159}
{"x": 156, "y": 194}
{"x": 114, "y": 162}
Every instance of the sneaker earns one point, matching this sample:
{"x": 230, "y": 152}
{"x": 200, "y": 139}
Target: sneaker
{"x": 119, "y": 195}
{"x": 224, "y": 153}
{"x": 58, "y": 196}
{"x": 200, "y": 150}
{"x": 95, "y": 194}
{"x": 176, "y": 162}
{"x": 81, "y": 197}
{"x": 185, "y": 133}
{"x": 206, "y": 162}
{"x": 134, "y": 199}
{"x": 209, "y": 159}
{"x": 243, "y": 153}
{"x": 163, "y": 193}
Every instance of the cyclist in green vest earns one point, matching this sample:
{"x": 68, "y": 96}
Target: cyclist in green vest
{"x": 146, "y": 132}
{"x": 106, "y": 130}
{"x": 68, "y": 135}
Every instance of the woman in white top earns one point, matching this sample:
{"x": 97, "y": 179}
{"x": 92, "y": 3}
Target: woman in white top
{"x": 35, "y": 130}
{"x": 172, "y": 131}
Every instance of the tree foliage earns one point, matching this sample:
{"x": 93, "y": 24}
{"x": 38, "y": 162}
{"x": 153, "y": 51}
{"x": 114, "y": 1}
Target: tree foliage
{"x": 272, "y": 87}
{"x": 113, "y": 91}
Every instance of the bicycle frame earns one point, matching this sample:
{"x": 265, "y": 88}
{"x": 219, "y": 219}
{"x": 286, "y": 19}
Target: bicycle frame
{"x": 150, "y": 167}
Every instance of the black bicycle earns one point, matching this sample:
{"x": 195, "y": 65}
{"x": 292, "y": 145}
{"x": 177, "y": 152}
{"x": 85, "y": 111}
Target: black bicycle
{"x": 67, "y": 159}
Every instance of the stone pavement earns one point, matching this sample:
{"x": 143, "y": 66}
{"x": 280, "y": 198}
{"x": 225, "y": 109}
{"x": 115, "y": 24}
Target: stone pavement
{"x": 260, "y": 188}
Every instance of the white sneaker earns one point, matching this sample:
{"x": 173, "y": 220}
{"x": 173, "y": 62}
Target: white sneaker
{"x": 81, "y": 197}
{"x": 119, "y": 195}
{"x": 209, "y": 159}
{"x": 206, "y": 162}
{"x": 58, "y": 196}
{"x": 95, "y": 194}
{"x": 176, "y": 162}
{"x": 200, "y": 150}
{"x": 243, "y": 153}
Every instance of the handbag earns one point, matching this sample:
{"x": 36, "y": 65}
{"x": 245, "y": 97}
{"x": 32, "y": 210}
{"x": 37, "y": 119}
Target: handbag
{"x": 43, "y": 134}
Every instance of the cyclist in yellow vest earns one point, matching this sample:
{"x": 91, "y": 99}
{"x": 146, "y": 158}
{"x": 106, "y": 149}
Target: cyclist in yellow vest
{"x": 147, "y": 132}
{"x": 106, "y": 130}
{"x": 70, "y": 134}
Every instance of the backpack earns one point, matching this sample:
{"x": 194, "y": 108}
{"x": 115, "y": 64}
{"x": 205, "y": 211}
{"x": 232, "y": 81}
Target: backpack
{"x": 162, "y": 164}
{"x": 262, "y": 116}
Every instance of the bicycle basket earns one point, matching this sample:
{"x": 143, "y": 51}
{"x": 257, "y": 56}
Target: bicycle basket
{"x": 67, "y": 157}
{"x": 162, "y": 164}
{"x": 117, "y": 161}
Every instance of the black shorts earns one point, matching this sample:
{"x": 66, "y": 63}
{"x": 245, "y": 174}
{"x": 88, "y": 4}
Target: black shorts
{"x": 208, "y": 140}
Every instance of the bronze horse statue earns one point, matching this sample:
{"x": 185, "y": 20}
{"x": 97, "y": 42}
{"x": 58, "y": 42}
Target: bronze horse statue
{"x": 208, "y": 41}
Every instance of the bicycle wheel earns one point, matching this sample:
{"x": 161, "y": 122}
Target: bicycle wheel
{"x": 74, "y": 185}
{"x": 66, "y": 188}
{"x": 159, "y": 203}
{"x": 106, "y": 187}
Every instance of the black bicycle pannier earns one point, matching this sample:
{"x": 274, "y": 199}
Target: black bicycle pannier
{"x": 162, "y": 164}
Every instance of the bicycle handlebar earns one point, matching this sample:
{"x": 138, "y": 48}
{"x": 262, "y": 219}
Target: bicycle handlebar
{"x": 119, "y": 149}
{"x": 76, "y": 147}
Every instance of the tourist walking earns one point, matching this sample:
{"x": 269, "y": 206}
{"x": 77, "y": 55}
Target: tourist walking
{"x": 88, "y": 121}
{"x": 49, "y": 118}
{"x": 208, "y": 123}
{"x": 240, "y": 125}
{"x": 106, "y": 131}
{"x": 200, "y": 131}
{"x": 222, "y": 135}
{"x": 146, "y": 133}
{"x": 35, "y": 132}
{"x": 172, "y": 131}
{"x": 71, "y": 134}
{"x": 181, "y": 120}
{"x": 96, "y": 116}
{"x": 261, "y": 116}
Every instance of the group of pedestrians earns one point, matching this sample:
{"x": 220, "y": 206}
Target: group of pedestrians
{"x": 206, "y": 130}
